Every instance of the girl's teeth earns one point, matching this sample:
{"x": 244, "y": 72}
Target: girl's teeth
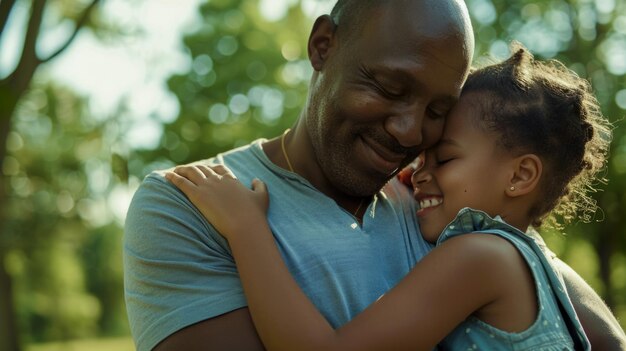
{"x": 430, "y": 202}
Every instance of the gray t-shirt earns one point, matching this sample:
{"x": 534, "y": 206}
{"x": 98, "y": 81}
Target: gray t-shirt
{"x": 179, "y": 271}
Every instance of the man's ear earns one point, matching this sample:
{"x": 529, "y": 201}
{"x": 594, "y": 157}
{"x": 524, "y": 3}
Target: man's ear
{"x": 527, "y": 170}
{"x": 321, "y": 40}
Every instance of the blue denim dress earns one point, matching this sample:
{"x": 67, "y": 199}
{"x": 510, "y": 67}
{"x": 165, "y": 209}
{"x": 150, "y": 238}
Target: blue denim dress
{"x": 556, "y": 328}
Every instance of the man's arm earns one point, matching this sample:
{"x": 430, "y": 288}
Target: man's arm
{"x": 230, "y": 331}
{"x": 601, "y": 327}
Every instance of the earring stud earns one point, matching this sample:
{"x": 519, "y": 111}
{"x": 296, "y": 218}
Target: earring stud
{"x": 512, "y": 188}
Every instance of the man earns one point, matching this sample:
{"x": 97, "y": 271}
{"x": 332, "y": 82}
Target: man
{"x": 385, "y": 75}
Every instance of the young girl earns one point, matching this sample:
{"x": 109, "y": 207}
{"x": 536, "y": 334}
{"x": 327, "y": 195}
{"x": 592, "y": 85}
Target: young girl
{"x": 525, "y": 139}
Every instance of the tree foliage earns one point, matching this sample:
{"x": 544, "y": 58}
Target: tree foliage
{"x": 42, "y": 179}
{"x": 247, "y": 80}
{"x": 63, "y": 252}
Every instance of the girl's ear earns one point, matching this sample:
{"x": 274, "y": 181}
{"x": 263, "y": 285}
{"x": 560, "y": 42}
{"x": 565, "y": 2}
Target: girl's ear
{"x": 526, "y": 175}
{"x": 320, "y": 41}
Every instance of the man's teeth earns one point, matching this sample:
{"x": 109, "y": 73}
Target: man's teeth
{"x": 431, "y": 202}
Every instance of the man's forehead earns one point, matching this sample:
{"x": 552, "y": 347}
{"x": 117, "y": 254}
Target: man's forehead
{"x": 418, "y": 23}
{"x": 441, "y": 14}
{"x": 418, "y": 30}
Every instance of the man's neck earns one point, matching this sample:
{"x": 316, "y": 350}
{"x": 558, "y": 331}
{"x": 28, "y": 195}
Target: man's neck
{"x": 292, "y": 152}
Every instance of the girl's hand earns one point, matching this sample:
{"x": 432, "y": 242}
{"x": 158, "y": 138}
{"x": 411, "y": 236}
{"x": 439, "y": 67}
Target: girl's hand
{"x": 223, "y": 200}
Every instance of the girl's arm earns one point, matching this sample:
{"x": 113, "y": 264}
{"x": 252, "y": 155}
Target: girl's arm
{"x": 454, "y": 280}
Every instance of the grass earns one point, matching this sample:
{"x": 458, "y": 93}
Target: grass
{"x": 110, "y": 344}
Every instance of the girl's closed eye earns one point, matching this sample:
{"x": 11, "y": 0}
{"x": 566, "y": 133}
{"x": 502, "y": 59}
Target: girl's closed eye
{"x": 442, "y": 159}
{"x": 441, "y": 162}
{"x": 447, "y": 150}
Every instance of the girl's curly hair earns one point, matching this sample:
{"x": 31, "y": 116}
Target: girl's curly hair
{"x": 541, "y": 107}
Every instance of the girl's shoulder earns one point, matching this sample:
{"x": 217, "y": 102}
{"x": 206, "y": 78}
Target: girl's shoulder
{"x": 498, "y": 260}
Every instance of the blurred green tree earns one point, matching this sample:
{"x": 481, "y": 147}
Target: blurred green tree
{"x": 247, "y": 80}
{"x": 62, "y": 244}
{"x": 43, "y": 16}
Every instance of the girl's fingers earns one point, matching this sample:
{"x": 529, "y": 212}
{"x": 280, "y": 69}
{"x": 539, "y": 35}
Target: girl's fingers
{"x": 208, "y": 171}
{"x": 218, "y": 171}
{"x": 223, "y": 171}
{"x": 260, "y": 190}
{"x": 180, "y": 182}
{"x": 192, "y": 173}
{"x": 258, "y": 186}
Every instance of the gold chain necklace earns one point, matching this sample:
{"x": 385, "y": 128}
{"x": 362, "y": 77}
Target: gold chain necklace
{"x": 282, "y": 146}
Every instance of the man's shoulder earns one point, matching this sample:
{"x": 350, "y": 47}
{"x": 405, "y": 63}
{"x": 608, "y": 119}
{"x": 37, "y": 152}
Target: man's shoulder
{"x": 236, "y": 159}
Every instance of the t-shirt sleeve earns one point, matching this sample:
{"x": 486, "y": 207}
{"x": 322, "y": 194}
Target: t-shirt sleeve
{"x": 177, "y": 269}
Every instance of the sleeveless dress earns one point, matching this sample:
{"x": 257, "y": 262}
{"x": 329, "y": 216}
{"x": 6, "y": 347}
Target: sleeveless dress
{"x": 556, "y": 328}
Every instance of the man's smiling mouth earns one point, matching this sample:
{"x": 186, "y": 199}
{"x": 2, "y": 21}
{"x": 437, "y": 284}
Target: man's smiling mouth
{"x": 385, "y": 160}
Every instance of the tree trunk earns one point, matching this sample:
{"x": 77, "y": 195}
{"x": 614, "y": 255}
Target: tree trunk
{"x": 9, "y": 336}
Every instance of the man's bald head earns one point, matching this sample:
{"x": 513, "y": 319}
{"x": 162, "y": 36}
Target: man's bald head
{"x": 349, "y": 15}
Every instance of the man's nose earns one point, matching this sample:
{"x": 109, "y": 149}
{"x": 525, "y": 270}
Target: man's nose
{"x": 406, "y": 126}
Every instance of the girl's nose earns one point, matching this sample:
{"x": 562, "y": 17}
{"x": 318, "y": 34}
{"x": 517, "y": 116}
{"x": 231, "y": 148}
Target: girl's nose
{"x": 420, "y": 178}
{"x": 422, "y": 174}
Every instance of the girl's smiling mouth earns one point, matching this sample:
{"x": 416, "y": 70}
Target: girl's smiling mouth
{"x": 428, "y": 202}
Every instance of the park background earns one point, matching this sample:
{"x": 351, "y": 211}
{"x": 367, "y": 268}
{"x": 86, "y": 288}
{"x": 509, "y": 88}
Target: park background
{"x": 96, "y": 94}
